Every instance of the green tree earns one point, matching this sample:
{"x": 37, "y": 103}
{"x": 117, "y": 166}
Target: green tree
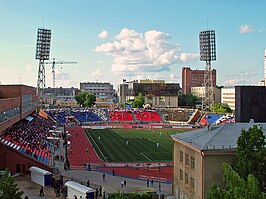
{"x": 187, "y": 100}
{"x": 85, "y": 99}
{"x": 250, "y": 153}
{"x": 236, "y": 187}
{"x": 222, "y": 108}
{"x": 138, "y": 101}
{"x": 8, "y": 187}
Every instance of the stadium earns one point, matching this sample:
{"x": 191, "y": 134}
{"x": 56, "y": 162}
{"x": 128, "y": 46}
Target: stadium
{"x": 134, "y": 143}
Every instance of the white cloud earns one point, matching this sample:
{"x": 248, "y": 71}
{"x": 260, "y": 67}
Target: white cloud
{"x": 103, "y": 34}
{"x": 29, "y": 68}
{"x": 99, "y": 62}
{"x": 97, "y": 73}
{"x": 246, "y": 29}
{"x": 173, "y": 78}
{"x": 189, "y": 57}
{"x": 134, "y": 52}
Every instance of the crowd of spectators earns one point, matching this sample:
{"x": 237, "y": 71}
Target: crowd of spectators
{"x": 30, "y": 135}
{"x": 177, "y": 114}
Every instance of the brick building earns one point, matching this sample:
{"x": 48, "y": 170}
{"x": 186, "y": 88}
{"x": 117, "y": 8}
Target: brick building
{"x": 194, "y": 78}
{"x": 16, "y": 103}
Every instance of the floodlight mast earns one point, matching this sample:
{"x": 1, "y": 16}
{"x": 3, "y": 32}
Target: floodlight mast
{"x": 42, "y": 54}
{"x": 208, "y": 54}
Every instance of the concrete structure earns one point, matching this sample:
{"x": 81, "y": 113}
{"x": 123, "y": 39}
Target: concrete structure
{"x": 228, "y": 96}
{"x": 63, "y": 97}
{"x": 104, "y": 92}
{"x": 198, "y": 157}
{"x": 250, "y": 103}
{"x": 156, "y": 92}
{"x": 194, "y": 78}
{"x": 16, "y": 102}
{"x": 199, "y": 92}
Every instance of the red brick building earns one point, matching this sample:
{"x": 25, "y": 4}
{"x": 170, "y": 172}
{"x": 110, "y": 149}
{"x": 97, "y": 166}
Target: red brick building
{"x": 16, "y": 103}
{"x": 194, "y": 78}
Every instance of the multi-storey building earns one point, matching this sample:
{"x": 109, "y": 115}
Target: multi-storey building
{"x": 199, "y": 92}
{"x": 228, "y": 96}
{"x": 198, "y": 157}
{"x": 194, "y": 78}
{"x": 60, "y": 96}
{"x": 104, "y": 92}
{"x": 250, "y": 103}
{"x": 156, "y": 92}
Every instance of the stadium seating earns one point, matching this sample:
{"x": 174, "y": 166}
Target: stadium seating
{"x": 67, "y": 115}
{"x": 121, "y": 115}
{"x": 210, "y": 119}
{"x": 29, "y": 137}
{"x": 148, "y": 116}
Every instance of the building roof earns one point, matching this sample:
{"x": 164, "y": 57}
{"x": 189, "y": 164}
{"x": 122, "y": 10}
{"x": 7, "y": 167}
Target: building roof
{"x": 223, "y": 137}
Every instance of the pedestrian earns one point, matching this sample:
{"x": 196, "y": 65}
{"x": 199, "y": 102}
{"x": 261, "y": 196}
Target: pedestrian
{"x": 148, "y": 182}
{"x": 41, "y": 192}
{"x": 100, "y": 191}
{"x": 125, "y": 183}
{"x": 88, "y": 183}
{"x": 96, "y": 193}
{"x": 75, "y": 197}
{"x": 104, "y": 177}
{"x": 113, "y": 171}
{"x": 57, "y": 193}
{"x": 152, "y": 182}
{"x": 122, "y": 183}
{"x": 157, "y": 145}
{"x": 26, "y": 197}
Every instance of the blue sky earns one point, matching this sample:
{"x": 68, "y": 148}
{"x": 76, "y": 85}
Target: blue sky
{"x": 121, "y": 39}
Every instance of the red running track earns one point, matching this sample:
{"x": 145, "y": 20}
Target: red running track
{"x": 79, "y": 155}
{"x": 81, "y": 151}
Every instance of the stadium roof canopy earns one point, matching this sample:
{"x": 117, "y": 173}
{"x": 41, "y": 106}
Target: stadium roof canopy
{"x": 223, "y": 137}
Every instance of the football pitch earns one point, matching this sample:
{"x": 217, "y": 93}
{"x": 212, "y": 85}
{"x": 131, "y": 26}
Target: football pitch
{"x": 132, "y": 145}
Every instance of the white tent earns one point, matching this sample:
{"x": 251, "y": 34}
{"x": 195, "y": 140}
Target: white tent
{"x": 76, "y": 189}
{"x": 41, "y": 176}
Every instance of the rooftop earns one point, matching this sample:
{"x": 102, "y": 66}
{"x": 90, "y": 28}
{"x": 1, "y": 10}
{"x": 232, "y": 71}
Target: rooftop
{"x": 223, "y": 137}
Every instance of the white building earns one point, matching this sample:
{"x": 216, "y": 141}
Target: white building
{"x": 228, "y": 96}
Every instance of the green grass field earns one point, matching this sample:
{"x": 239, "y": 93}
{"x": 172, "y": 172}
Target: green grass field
{"x": 141, "y": 147}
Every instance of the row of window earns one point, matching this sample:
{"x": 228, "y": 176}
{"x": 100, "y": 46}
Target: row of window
{"x": 187, "y": 162}
{"x": 181, "y": 179}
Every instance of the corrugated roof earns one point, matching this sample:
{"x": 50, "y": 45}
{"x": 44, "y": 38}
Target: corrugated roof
{"x": 221, "y": 137}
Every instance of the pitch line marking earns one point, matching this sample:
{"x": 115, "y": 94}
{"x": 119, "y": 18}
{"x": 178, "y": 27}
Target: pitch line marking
{"x": 145, "y": 156}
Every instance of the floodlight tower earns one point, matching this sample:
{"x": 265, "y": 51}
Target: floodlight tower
{"x": 42, "y": 53}
{"x": 208, "y": 54}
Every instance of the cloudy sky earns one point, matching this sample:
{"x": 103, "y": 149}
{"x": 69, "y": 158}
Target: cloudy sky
{"x": 122, "y": 39}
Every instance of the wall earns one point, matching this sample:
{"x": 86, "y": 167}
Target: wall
{"x": 10, "y": 158}
{"x": 213, "y": 172}
{"x": 250, "y": 103}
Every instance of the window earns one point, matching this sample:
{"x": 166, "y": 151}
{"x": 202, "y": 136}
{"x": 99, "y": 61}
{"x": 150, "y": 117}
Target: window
{"x": 186, "y": 179}
{"x": 181, "y": 157}
{"x": 192, "y": 162}
{"x": 181, "y": 177}
{"x": 187, "y": 160}
{"x": 192, "y": 184}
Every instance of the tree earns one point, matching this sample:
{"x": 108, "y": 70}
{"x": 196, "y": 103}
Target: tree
{"x": 187, "y": 100}
{"x": 221, "y": 108}
{"x": 236, "y": 187}
{"x": 85, "y": 99}
{"x": 8, "y": 187}
{"x": 139, "y": 101}
{"x": 250, "y": 153}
